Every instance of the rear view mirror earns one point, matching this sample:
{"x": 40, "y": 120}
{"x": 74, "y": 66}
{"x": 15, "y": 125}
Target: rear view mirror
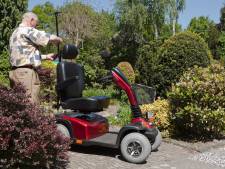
{"x": 69, "y": 51}
{"x": 105, "y": 54}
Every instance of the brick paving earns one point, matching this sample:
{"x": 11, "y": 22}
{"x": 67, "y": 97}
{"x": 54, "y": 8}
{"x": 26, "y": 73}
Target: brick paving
{"x": 169, "y": 156}
{"x": 213, "y": 156}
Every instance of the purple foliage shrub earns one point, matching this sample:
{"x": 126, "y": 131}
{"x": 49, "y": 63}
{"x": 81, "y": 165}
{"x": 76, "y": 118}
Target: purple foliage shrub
{"x": 28, "y": 139}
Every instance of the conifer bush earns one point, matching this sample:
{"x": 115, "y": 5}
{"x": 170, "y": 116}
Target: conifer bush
{"x": 147, "y": 62}
{"x": 28, "y": 139}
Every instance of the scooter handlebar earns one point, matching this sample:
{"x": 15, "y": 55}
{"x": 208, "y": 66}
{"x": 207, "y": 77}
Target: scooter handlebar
{"x": 106, "y": 79}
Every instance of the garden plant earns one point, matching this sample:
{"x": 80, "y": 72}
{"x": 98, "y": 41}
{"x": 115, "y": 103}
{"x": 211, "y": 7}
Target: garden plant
{"x": 28, "y": 139}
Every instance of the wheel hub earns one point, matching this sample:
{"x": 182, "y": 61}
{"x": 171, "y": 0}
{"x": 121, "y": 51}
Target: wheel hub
{"x": 134, "y": 149}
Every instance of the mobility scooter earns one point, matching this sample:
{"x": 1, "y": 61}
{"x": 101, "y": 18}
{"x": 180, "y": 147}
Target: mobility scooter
{"x": 83, "y": 126}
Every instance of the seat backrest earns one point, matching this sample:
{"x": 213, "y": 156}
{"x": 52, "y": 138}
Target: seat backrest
{"x": 73, "y": 88}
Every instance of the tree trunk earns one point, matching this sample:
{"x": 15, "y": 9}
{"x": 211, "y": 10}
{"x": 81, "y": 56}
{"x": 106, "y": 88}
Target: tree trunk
{"x": 77, "y": 38}
{"x": 156, "y": 32}
{"x": 174, "y": 26}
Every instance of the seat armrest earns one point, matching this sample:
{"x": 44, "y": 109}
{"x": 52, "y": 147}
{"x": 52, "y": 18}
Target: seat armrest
{"x": 66, "y": 83}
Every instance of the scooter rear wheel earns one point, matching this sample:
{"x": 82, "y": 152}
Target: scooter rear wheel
{"x": 158, "y": 141}
{"x": 135, "y": 148}
{"x": 63, "y": 130}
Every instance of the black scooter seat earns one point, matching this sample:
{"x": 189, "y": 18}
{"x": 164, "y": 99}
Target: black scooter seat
{"x": 87, "y": 104}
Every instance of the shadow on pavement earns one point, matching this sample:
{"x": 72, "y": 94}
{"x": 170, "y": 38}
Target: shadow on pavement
{"x": 97, "y": 150}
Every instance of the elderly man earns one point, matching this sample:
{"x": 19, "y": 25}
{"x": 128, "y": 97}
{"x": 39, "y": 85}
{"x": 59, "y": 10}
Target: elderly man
{"x": 25, "y": 56}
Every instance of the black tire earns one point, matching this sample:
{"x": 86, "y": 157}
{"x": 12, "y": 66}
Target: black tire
{"x": 158, "y": 141}
{"x": 63, "y": 130}
{"x": 135, "y": 148}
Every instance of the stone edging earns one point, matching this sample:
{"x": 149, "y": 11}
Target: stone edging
{"x": 198, "y": 146}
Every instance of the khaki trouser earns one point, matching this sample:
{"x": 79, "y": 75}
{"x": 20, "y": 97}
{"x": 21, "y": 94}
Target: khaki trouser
{"x": 29, "y": 79}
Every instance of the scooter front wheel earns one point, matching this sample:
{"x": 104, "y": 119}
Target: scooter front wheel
{"x": 135, "y": 148}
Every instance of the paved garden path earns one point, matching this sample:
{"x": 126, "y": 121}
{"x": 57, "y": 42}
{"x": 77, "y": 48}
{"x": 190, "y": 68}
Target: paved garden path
{"x": 169, "y": 156}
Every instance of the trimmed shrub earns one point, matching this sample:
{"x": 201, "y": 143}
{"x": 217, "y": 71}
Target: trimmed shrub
{"x": 127, "y": 70}
{"x": 201, "y": 25}
{"x": 161, "y": 111}
{"x": 27, "y": 138}
{"x": 198, "y": 102}
{"x": 179, "y": 53}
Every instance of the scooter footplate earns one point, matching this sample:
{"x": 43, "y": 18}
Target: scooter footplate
{"x": 108, "y": 138}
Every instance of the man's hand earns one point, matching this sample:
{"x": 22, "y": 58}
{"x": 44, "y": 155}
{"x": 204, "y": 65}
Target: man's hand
{"x": 55, "y": 39}
{"x": 51, "y": 56}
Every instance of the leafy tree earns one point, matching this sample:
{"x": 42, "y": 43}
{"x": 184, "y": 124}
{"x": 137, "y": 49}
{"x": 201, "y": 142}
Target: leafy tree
{"x": 222, "y": 19}
{"x": 46, "y": 17}
{"x": 91, "y": 31}
{"x": 201, "y": 26}
{"x": 213, "y": 41}
{"x": 140, "y": 21}
{"x": 207, "y": 29}
{"x": 10, "y": 16}
{"x": 166, "y": 31}
{"x": 175, "y": 7}
{"x": 220, "y": 40}
{"x": 221, "y": 46}
{"x": 81, "y": 25}
{"x": 156, "y": 14}
{"x": 78, "y": 22}
{"x": 132, "y": 15}
{"x": 106, "y": 28}
{"x": 132, "y": 19}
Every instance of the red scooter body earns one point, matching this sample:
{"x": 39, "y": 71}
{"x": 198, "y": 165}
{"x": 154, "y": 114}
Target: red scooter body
{"x": 84, "y": 128}
{"x": 82, "y": 125}
{"x": 89, "y": 126}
